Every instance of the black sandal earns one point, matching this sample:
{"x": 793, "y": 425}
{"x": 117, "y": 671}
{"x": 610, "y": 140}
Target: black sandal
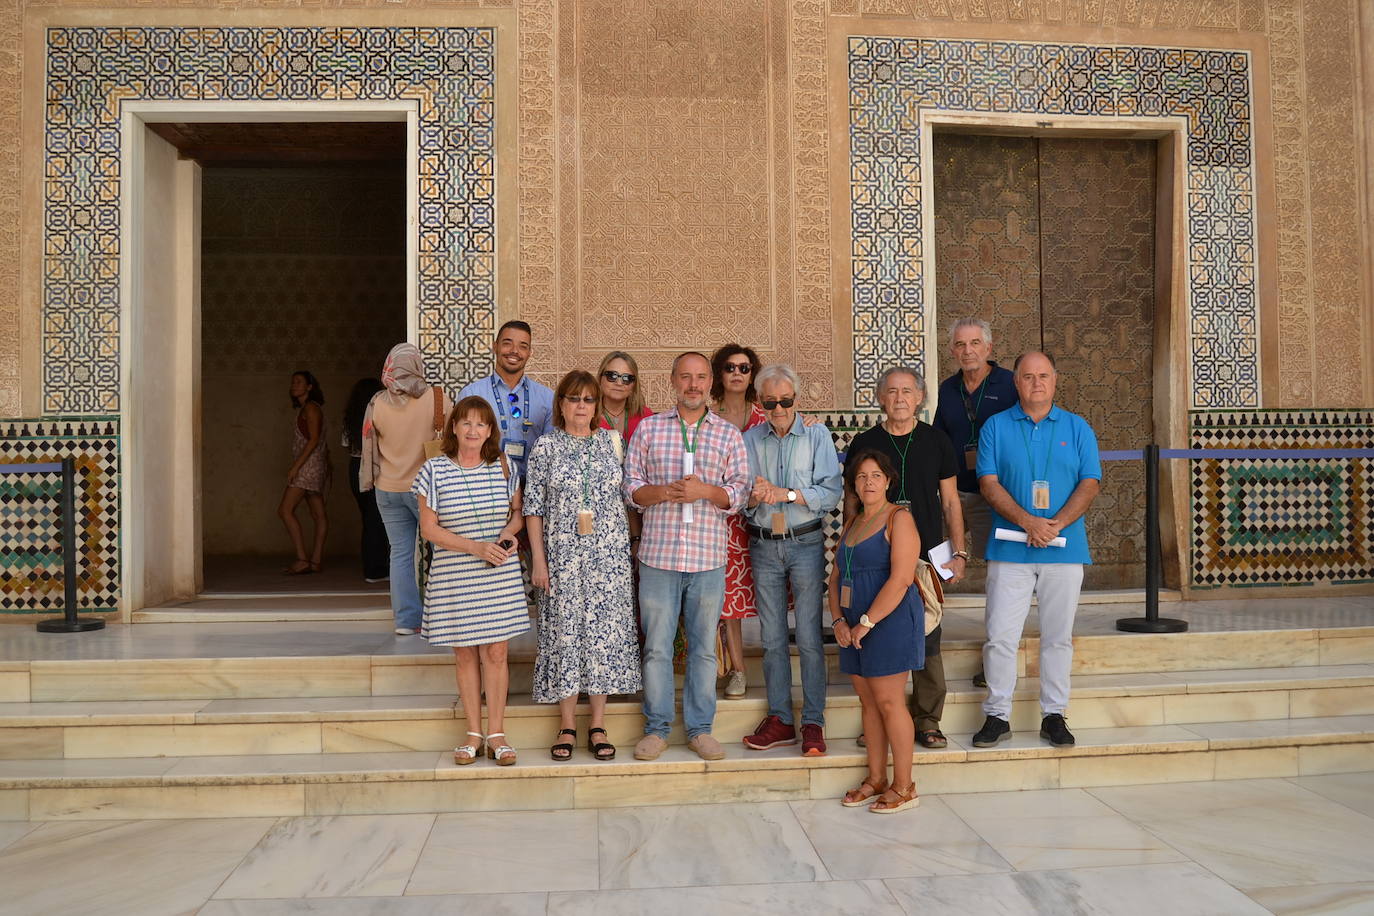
{"x": 563, "y": 750}
{"x": 932, "y": 738}
{"x": 601, "y": 750}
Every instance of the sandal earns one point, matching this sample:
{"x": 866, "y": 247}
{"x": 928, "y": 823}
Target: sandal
{"x": 601, "y": 750}
{"x": 467, "y": 753}
{"x": 866, "y": 791}
{"x": 502, "y": 753}
{"x": 894, "y": 800}
{"x": 932, "y": 738}
{"x": 563, "y": 749}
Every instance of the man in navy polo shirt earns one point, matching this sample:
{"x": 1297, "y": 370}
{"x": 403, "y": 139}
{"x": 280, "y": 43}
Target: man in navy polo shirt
{"x": 1039, "y": 471}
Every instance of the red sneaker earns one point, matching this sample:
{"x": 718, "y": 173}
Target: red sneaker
{"x": 813, "y": 741}
{"x": 772, "y": 732}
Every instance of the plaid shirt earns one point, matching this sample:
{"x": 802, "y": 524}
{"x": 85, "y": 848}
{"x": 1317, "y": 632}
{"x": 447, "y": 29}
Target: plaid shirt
{"x": 655, "y": 458}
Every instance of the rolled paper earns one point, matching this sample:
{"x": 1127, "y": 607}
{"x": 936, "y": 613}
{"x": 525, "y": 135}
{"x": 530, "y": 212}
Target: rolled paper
{"x": 1011, "y": 534}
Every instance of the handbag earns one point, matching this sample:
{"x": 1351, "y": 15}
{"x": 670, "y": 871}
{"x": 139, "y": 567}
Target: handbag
{"x": 927, "y": 583}
{"x": 435, "y": 447}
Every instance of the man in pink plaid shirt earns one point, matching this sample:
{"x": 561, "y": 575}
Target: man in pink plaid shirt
{"x": 686, "y": 470}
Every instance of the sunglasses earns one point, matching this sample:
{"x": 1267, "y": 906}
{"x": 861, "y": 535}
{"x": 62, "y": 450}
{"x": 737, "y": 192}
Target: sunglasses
{"x": 580, "y": 398}
{"x": 739, "y": 368}
{"x": 625, "y": 378}
{"x": 515, "y": 408}
{"x": 770, "y": 403}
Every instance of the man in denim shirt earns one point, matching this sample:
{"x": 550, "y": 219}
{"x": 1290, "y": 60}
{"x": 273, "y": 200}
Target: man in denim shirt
{"x": 796, "y": 482}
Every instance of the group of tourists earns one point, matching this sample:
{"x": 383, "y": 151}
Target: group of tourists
{"x": 635, "y": 527}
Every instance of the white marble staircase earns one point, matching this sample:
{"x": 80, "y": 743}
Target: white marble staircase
{"x": 214, "y": 737}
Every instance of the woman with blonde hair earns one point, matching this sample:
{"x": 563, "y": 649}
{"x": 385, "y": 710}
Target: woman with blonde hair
{"x": 622, "y": 399}
{"x": 475, "y": 594}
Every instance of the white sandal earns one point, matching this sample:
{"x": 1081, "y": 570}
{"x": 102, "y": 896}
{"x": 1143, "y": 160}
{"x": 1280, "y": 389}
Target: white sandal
{"x": 472, "y": 751}
{"x": 502, "y": 753}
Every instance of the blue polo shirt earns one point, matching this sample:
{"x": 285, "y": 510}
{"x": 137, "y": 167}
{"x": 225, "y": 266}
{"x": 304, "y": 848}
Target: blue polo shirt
{"x": 994, "y": 395}
{"x": 535, "y": 402}
{"x": 1062, "y": 449}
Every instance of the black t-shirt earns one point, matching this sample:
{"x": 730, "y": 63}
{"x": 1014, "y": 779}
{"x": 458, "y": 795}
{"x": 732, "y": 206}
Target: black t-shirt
{"x": 929, "y": 460}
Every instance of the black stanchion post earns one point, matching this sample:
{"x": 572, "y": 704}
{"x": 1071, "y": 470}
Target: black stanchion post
{"x": 1152, "y": 622}
{"x": 69, "y": 622}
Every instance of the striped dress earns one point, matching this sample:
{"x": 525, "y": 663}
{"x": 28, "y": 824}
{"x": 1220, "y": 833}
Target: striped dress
{"x": 467, "y": 602}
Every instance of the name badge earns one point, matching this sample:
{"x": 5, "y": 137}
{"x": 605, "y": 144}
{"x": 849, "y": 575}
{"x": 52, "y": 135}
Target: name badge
{"x": 585, "y": 522}
{"x": 971, "y": 457}
{"x": 779, "y": 522}
{"x": 515, "y": 449}
{"x": 844, "y": 595}
{"x": 1040, "y": 494}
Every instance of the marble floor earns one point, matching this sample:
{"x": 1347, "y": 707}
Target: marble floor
{"x": 1280, "y": 846}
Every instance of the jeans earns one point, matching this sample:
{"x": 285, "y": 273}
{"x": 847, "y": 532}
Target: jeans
{"x": 1010, "y": 585}
{"x": 665, "y": 595}
{"x": 374, "y": 549}
{"x": 800, "y": 561}
{"x": 401, "y": 515}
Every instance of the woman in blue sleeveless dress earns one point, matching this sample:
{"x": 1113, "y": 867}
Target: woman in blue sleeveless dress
{"x": 880, "y": 627}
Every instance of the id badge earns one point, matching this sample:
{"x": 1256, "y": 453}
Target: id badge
{"x": 688, "y": 465}
{"x": 585, "y": 522}
{"x": 515, "y": 449}
{"x": 971, "y": 457}
{"x": 779, "y": 523}
{"x": 844, "y": 595}
{"x": 1040, "y": 494}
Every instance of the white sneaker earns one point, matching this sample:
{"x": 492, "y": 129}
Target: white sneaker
{"x": 735, "y": 684}
{"x": 406, "y": 631}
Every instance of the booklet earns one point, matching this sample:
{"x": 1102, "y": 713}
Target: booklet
{"x": 941, "y": 554}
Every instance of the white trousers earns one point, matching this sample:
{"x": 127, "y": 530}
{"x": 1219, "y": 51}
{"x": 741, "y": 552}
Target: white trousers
{"x": 1010, "y": 586}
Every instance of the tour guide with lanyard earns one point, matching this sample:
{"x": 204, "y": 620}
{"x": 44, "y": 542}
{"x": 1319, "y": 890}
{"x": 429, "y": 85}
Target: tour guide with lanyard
{"x": 513, "y": 447}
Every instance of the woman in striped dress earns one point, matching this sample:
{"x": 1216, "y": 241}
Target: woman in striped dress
{"x": 475, "y": 596}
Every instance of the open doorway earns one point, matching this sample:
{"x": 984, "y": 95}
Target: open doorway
{"x": 302, "y": 268}
{"x": 1052, "y": 241}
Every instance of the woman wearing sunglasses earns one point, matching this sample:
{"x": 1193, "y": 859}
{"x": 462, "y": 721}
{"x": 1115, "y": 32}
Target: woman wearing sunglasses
{"x": 622, "y": 403}
{"x": 580, "y": 567}
{"x": 732, "y": 392}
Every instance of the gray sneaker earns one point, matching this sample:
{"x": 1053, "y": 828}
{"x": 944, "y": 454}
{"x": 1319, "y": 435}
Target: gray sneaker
{"x": 707, "y": 748}
{"x": 649, "y": 747}
{"x": 735, "y": 685}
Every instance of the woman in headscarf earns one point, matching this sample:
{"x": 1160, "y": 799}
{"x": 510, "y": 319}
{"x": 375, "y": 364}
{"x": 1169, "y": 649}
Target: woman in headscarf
{"x": 402, "y": 417}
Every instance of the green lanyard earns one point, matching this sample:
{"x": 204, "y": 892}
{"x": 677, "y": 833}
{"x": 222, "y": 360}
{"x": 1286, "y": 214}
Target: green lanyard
{"x": 973, "y": 413}
{"x": 584, "y": 460}
{"x": 1030, "y": 459}
{"x": 784, "y": 457}
{"x": 696, "y": 433}
{"x": 901, "y": 469}
{"x": 848, "y": 550}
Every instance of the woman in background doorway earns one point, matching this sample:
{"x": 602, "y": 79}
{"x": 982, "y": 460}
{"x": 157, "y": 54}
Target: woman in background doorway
{"x": 374, "y": 549}
{"x": 308, "y": 477}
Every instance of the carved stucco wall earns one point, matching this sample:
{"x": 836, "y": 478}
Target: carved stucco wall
{"x": 784, "y": 253}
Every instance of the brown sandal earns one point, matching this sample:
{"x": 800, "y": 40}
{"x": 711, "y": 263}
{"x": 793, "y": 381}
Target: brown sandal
{"x": 894, "y": 800}
{"x": 864, "y": 793}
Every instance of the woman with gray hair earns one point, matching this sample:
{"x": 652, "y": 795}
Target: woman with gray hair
{"x": 925, "y": 483}
{"x": 401, "y": 418}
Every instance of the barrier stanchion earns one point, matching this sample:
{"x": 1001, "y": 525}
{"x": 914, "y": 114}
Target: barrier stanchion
{"x": 1152, "y": 622}
{"x": 69, "y": 622}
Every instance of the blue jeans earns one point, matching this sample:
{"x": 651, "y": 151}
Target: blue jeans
{"x": 664, "y": 596}
{"x": 401, "y": 515}
{"x": 800, "y": 561}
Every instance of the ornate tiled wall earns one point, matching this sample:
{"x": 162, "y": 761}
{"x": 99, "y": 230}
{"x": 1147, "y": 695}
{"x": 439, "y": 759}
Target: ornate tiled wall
{"x": 1298, "y": 522}
{"x": 30, "y": 522}
{"x": 892, "y": 79}
{"x": 448, "y": 71}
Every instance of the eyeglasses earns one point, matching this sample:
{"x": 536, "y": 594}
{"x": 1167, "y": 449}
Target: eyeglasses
{"x": 625, "y": 378}
{"x": 580, "y": 399}
{"x": 515, "y": 405}
{"x": 739, "y": 368}
{"x": 770, "y": 403}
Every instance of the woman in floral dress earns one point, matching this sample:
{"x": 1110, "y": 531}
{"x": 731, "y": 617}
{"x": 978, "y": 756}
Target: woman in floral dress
{"x": 580, "y": 567}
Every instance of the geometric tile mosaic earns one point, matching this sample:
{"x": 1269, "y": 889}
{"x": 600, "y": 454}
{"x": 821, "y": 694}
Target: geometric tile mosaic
{"x": 891, "y": 80}
{"x": 1282, "y": 522}
{"x": 450, "y": 72}
{"x": 30, "y": 515}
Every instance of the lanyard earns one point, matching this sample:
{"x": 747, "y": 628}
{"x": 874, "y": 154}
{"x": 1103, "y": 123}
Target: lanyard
{"x": 501, "y": 402}
{"x": 696, "y": 433}
{"x": 610, "y": 422}
{"x": 848, "y": 549}
{"x": 584, "y": 461}
{"x": 1049, "y": 445}
{"x": 970, "y": 409}
{"x": 784, "y": 458}
{"x": 901, "y": 470}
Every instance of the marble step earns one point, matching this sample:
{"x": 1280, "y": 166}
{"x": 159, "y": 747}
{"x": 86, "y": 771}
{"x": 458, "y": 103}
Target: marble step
{"x": 413, "y": 668}
{"x": 433, "y": 722}
{"x": 428, "y": 781}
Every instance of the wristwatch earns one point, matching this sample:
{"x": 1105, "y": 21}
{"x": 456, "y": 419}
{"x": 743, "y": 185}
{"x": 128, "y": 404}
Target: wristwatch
{"x": 791, "y": 496}
{"x": 865, "y": 622}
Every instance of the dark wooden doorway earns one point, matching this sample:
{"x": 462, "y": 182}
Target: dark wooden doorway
{"x": 1052, "y": 242}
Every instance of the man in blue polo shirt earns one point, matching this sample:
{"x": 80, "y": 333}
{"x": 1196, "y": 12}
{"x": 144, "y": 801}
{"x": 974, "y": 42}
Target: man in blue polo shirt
{"x": 1039, "y": 471}
{"x": 524, "y": 408}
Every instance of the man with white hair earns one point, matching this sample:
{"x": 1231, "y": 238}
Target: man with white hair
{"x": 796, "y": 481}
